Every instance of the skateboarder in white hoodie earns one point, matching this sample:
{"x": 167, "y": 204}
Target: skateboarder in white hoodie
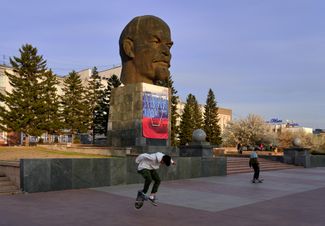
{"x": 148, "y": 164}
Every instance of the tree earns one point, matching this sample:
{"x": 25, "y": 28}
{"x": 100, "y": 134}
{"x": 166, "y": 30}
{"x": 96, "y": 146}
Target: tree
{"x": 250, "y": 131}
{"x": 286, "y": 137}
{"x": 191, "y": 119}
{"x": 22, "y": 110}
{"x": 197, "y": 114}
{"x": 211, "y": 126}
{"x": 173, "y": 109}
{"x": 50, "y": 120}
{"x": 75, "y": 113}
{"x": 94, "y": 93}
{"x": 101, "y": 119}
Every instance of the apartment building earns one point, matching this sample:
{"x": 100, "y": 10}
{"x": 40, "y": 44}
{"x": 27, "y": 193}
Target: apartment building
{"x": 224, "y": 114}
{"x": 279, "y": 125}
{"x": 4, "y": 86}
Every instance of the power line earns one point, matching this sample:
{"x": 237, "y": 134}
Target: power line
{"x": 5, "y": 59}
{"x": 63, "y": 65}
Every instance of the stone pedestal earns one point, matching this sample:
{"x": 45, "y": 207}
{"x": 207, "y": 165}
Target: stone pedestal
{"x": 196, "y": 149}
{"x": 125, "y": 128}
{"x": 297, "y": 156}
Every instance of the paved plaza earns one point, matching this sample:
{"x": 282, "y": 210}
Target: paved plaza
{"x": 287, "y": 197}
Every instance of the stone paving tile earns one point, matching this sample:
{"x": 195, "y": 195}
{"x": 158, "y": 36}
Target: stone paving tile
{"x": 301, "y": 209}
{"x": 220, "y": 193}
{"x": 230, "y": 201}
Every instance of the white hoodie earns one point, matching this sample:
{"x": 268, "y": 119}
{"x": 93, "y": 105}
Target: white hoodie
{"x": 149, "y": 161}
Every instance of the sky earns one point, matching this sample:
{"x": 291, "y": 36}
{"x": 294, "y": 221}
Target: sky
{"x": 262, "y": 57}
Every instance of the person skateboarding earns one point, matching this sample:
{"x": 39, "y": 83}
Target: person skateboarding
{"x": 253, "y": 162}
{"x": 148, "y": 164}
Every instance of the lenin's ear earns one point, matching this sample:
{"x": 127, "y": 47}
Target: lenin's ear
{"x": 128, "y": 47}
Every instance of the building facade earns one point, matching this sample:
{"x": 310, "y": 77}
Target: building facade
{"x": 224, "y": 114}
{"x": 278, "y": 126}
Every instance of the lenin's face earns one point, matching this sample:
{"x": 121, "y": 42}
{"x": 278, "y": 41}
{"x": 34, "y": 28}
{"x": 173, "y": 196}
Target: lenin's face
{"x": 152, "y": 50}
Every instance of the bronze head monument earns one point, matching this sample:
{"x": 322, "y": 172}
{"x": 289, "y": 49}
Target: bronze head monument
{"x": 145, "y": 44}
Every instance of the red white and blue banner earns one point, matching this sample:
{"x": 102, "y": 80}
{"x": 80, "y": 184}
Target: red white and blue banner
{"x": 155, "y": 114}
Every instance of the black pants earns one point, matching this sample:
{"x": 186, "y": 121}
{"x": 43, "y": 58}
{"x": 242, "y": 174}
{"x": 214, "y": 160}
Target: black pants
{"x": 149, "y": 176}
{"x": 256, "y": 171}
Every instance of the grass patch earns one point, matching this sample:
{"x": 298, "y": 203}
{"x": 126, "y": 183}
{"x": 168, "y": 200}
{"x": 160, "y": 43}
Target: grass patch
{"x": 16, "y": 153}
{"x": 322, "y": 152}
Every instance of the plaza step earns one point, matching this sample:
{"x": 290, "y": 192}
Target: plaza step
{"x": 241, "y": 165}
{"x": 7, "y": 187}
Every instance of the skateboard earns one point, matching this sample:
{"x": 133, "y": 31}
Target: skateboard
{"x": 139, "y": 200}
{"x": 258, "y": 181}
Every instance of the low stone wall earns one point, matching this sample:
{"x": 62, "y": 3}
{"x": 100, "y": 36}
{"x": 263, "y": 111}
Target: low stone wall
{"x": 276, "y": 158}
{"x": 297, "y": 156}
{"x": 12, "y": 170}
{"x": 317, "y": 161}
{"x": 302, "y": 157}
{"x": 39, "y": 175}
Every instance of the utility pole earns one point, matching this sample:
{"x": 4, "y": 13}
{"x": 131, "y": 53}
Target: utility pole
{"x": 4, "y": 59}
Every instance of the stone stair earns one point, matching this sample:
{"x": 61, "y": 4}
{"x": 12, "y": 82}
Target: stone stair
{"x": 240, "y": 165}
{"x": 7, "y": 187}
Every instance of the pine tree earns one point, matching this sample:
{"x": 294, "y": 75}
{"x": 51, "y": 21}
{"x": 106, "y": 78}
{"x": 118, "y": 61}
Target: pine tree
{"x": 104, "y": 104}
{"x": 94, "y": 93}
{"x": 173, "y": 109}
{"x": 50, "y": 117}
{"x": 211, "y": 119}
{"x": 75, "y": 113}
{"x": 197, "y": 115}
{"x": 191, "y": 119}
{"x": 22, "y": 111}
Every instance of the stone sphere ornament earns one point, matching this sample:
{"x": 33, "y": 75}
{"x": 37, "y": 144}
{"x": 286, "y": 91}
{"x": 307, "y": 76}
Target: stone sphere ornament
{"x": 296, "y": 142}
{"x": 199, "y": 135}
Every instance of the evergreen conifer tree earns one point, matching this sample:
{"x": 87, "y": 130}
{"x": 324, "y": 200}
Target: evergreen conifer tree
{"x": 104, "y": 105}
{"x": 50, "y": 117}
{"x": 211, "y": 126}
{"x": 74, "y": 105}
{"x": 22, "y": 107}
{"x": 173, "y": 109}
{"x": 94, "y": 94}
{"x": 197, "y": 115}
{"x": 191, "y": 119}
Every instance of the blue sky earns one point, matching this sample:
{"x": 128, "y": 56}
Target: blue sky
{"x": 265, "y": 57}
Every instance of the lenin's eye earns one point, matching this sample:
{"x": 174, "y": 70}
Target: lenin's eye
{"x": 169, "y": 45}
{"x": 156, "y": 40}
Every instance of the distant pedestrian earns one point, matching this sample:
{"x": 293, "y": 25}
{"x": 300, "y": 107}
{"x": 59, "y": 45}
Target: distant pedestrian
{"x": 147, "y": 166}
{"x": 261, "y": 147}
{"x": 253, "y": 162}
{"x": 239, "y": 148}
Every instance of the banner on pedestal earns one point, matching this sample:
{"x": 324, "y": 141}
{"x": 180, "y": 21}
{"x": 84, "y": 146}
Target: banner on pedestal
{"x": 155, "y": 114}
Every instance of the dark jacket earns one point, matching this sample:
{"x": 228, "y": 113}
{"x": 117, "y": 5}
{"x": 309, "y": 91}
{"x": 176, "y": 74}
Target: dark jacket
{"x": 253, "y": 161}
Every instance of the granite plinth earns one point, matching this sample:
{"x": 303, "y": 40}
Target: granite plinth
{"x": 126, "y": 114}
{"x": 297, "y": 156}
{"x": 35, "y": 175}
{"x": 196, "y": 149}
{"x": 317, "y": 161}
{"x": 38, "y": 175}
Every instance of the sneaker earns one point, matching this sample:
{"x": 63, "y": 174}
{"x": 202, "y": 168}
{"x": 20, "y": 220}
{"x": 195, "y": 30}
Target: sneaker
{"x": 254, "y": 181}
{"x": 153, "y": 201}
{"x": 142, "y": 195}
